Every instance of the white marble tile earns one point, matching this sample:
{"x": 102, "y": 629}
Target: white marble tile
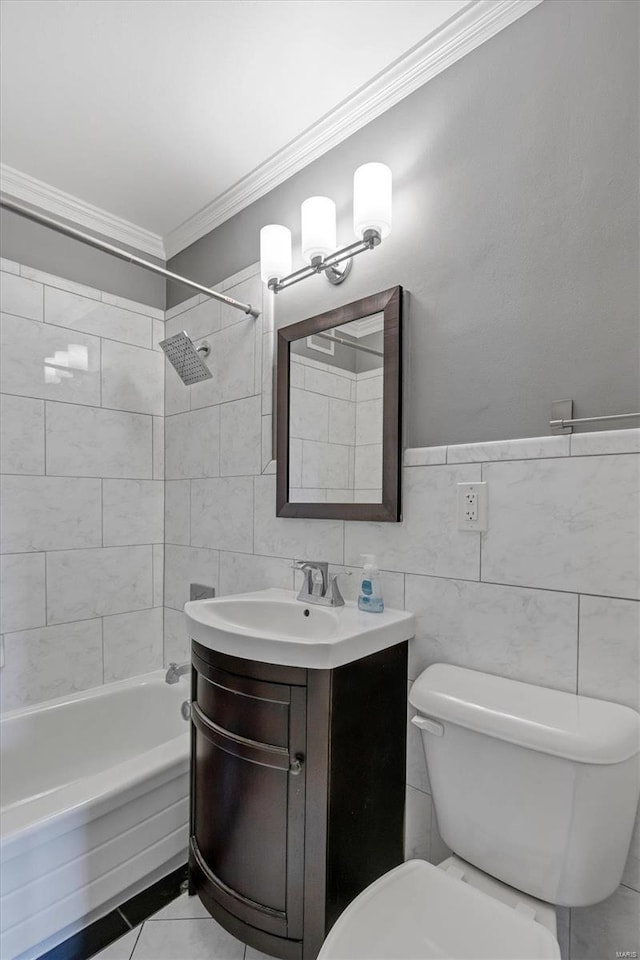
{"x": 307, "y": 495}
{"x": 184, "y": 566}
{"x": 324, "y": 464}
{"x": 609, "y": 664}
{"x": 248, "y": 291}
{"x": 528, "y": 635}
{"x": 51, "y": 280}
{"x": 339, "y": 495}
{"x": 132, "y": 378}
{"x": 183, "y": 907}
{"x": 242, "y": 573}
{"x": 132, "y": 643}
{"x": 20, "y": 297}
{"x": 342, "y": 422}
{"x": 295, "y": 463}
{"x": 90, "y": 442}
{"x": 253, "y": 954}
{"x": 222, "y": 513}
{"x": 368, "y": 496}
{"x": 133, "y": 305}
{"x": 268, "y": 371}
{"x": 158, "y": 448}
{"x": 266, "y": 441}
{"x": 200, "y": 320}
{"x": 177, "y": 397}
{"x": 567, "y": 524}
{"x": 308, "y": 415}
{"x": 96, "y": 583}
{"x": 34, "y": 357}
{"x": 368, "y": 463}
{"x": 181, "y": 307}
{"x": 49, "y": 513}
{"x": 417, "y": 825}
{"x": 21, "y": 435}
{"x": 369, "y": 422}
{"x": 176, "y": 637}
{"x": 296, "y": 373}
{"x": 69, "y": 310}
{"x": 369, "y": 389}
{"x": 120, "y": 949}
{"x": 192, "y": 444}
{"x": 329, "y": 384}
{"x": 132, "y": 512}
{"x": 157, "y": 554}
{"x": 231, "y": 362}
{"x": 608, "y": 928}
{"x": 22, "y": 592}
{"x": 158, "y": 333}
{"x": 50, "y": 662}
{"x": 9, "y": 266}
{"x": 177, "y": 511}
{"x": 605, "y": 441}
{"x": 526, "y": 448}
{"x": 241, "y": 437}
{"x": 424, "y": 456}
{"x": 186, "y": 940}
{"x": 392, "y": 584}
{"x": 286, "y": 537}
{"x": 427, "y": 540}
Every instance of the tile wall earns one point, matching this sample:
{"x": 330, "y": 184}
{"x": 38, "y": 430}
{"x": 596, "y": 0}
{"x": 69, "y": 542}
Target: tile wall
{"x": 82, "y": 462}
{"x": 336, "y": 433}
{"x": 548, "y": 595}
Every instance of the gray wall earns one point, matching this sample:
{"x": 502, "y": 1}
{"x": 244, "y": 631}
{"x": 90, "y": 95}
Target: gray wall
{"x": 515, "y": 227}
{"x": 44, "y": 249}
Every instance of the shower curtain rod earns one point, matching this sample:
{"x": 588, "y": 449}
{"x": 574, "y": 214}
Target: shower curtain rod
{"x": 114, "y": 251}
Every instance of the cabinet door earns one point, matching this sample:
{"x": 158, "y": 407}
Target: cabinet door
{"x": 248, "y": 801}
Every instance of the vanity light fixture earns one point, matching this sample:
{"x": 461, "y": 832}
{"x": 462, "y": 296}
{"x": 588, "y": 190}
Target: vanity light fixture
{"x": 372, "y": 183}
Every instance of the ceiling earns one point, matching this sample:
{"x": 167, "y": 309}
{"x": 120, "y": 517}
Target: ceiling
{"x": 153, "y": 109}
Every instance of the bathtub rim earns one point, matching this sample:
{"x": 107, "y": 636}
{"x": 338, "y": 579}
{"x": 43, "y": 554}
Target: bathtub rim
{"x": 83, "y": 799}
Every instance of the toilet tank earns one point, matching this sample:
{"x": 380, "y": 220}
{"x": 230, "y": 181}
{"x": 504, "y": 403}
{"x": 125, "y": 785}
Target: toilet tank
{"x": 537, "y": 787}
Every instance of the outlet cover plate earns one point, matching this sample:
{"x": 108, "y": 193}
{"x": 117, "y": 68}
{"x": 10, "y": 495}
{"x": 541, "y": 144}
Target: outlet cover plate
{"x": 472, "y": 507}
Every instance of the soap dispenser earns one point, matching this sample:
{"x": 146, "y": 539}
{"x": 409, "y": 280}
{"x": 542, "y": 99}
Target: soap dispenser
{"x": 370, "y": 597}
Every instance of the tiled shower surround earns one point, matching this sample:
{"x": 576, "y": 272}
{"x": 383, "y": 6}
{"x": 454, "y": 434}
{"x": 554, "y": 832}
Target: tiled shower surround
{"x": 548, "y": 595}
{"x": 82, "y": 458}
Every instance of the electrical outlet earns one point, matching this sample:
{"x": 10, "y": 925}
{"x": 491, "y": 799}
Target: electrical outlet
{"x": 472, "y": 506}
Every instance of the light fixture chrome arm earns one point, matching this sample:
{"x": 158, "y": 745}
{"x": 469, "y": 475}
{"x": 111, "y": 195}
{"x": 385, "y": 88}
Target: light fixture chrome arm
{"x": 114, "y": 251}
{"x": 370, "y": 240}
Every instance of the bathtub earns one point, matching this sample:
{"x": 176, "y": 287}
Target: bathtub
{"x": 94, "y": 806}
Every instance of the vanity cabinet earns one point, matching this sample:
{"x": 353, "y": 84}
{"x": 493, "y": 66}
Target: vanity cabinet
{"x": 297, "y": 792}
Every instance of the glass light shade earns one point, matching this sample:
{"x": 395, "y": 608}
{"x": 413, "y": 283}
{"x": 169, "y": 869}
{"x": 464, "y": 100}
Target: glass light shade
{"x": 275, "y": 252}
{"x": 372, "y": 184}
{"x": 318, "y": 222}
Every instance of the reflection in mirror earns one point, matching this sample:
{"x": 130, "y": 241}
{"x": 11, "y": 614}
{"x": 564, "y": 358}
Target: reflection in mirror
{"x": 335, "y": 414}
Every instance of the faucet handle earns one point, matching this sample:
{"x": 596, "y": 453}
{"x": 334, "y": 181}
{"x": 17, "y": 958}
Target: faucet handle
{"x": 333, "y": 592}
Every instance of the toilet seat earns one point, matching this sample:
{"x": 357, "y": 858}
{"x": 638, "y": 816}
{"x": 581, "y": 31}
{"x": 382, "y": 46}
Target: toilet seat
{"x": 420, "y": 912}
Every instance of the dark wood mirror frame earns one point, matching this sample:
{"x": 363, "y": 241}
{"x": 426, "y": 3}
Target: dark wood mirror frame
{"x": 389, "y": 303}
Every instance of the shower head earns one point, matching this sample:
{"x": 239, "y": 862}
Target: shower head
{"x": 187, "y": 359}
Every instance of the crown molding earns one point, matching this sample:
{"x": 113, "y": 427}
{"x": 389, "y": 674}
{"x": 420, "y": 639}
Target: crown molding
{"x": 475, "y": 24}
{"x": 56, "y": 202}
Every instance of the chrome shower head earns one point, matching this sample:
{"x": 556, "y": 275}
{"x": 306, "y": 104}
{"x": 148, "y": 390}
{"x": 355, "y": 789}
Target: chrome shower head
{"x": 187, "y": 359}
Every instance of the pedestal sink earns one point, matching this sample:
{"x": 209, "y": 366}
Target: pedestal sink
{"x": 272, "y": 626}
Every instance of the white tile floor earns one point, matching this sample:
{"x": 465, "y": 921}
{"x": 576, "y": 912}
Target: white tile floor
{"x": 183, "y": 930}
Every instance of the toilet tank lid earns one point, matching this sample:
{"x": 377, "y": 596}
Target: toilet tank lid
{"x": 550, "y": 721}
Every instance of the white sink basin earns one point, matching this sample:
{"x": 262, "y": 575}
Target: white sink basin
{"x": 274, "y": 627}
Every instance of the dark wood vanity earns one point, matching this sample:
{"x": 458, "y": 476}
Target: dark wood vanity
{"x": 297, "y": 792}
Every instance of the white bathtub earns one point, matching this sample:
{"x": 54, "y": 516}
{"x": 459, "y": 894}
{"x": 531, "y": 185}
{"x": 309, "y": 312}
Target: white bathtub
{"x": 93, "y": 808}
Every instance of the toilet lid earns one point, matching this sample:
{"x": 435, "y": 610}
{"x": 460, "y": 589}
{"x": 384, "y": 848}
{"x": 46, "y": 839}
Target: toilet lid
{"x": 418, "y": 912}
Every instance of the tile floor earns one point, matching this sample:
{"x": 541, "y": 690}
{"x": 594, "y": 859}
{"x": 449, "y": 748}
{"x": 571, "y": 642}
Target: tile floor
{"x": 183, "y": 930}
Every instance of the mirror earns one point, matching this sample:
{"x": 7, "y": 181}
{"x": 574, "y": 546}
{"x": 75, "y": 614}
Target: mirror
{"x": 338, "y": 412}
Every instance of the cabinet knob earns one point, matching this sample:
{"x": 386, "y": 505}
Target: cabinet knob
{"x": 295, "y": 767}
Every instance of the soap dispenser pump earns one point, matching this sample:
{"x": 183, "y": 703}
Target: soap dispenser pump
{"x": 370, "y": 597}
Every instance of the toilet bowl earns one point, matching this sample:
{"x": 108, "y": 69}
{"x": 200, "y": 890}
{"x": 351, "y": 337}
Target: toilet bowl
{"x": 535, "y": 790}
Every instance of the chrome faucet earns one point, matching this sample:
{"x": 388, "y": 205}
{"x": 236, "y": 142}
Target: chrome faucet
{"x": 175, "y": 672}
{"x": 318, "y": 586}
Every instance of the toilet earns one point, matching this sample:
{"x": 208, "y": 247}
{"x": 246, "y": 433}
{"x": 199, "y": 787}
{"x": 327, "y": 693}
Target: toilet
{"x": 535, "y": 792}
